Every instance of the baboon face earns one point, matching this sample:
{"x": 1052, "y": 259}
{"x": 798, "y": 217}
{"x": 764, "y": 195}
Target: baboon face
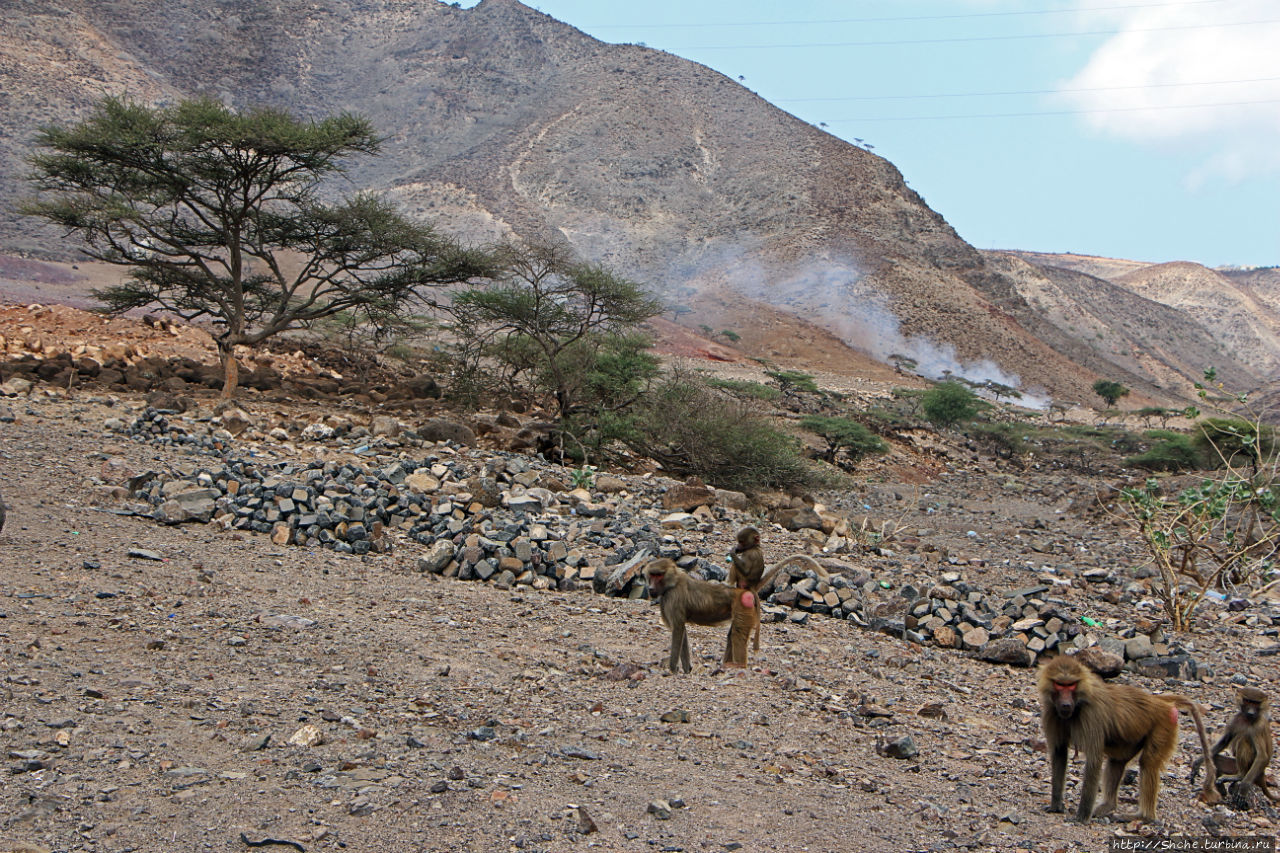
{"x": 656, "y": 575}
{"x": 1064, "y": 699}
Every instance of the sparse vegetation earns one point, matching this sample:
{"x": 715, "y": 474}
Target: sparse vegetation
{"x": 845, "y": 434}
{"x": 692, "y": 430}
{"x": 362, "y": 336}
{"x": 1233, "y": 442}
{"x": 1005, "y": 440}
{"x": 1224, "y": 531}
{"x": 794, "y": 380}
{"x": 903, "y": 362}
{"x": 1160, "y": 413}
{"x": 1173, "y": 452}
{"x": 218, "y": 215}
{"x": 747, "y": 388}
{"x": 949, "y": 403}
{"x": 1110, "y": 391}
{"x": 562, "y": 322}
{"x": 999, "y": 390}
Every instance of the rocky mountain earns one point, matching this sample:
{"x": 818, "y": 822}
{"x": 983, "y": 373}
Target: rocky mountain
{"x": 1239, "y": 308}
{"x": 501, "y": 120}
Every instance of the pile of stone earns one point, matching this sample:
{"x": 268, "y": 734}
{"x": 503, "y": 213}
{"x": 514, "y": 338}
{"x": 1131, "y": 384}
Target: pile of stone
{"x": 510, "y": 520}
{"x": 153, "y": 425}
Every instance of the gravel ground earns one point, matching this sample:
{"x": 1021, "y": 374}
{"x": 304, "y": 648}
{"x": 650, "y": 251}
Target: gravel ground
{"x": 148, "y": 705}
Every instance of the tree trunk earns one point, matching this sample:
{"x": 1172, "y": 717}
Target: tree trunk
{"x": 230, "y": 370}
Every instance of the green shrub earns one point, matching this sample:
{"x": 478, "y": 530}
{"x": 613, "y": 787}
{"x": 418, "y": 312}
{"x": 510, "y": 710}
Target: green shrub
{"x": 1232, "y": 441}
{"x": 691, "y": 430}
{"x": 1173, "y": 453}
{"x": 949, "y": 403}
{"x": 788, "y": 379}
{"x": 1004, "y": 440}
{"x": 845, "y": 434}
{"x": 1110, "y": 391}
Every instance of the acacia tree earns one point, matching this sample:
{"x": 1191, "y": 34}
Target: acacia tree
{"x": 847, "y": 434}
{"x": 218, "y": 215}
{"x": 555, "y": 311}
{"x": 949, "y": 403}
{"x": 1110, "y": 391}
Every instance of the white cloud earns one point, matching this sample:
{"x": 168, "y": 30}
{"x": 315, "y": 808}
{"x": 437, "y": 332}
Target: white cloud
{"x": 1162, "y": 80}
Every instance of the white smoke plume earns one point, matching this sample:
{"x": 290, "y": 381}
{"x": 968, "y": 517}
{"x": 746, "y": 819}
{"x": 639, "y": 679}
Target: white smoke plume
{"x": 832, "y": 289}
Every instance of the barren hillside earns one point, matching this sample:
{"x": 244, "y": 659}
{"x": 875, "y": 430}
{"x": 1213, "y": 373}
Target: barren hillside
{"x": 1240, "y": 309}
{"x": 500, "y": 119}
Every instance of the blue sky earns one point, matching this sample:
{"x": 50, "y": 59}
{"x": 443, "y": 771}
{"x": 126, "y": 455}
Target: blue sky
{"x": 1137, "y": 129}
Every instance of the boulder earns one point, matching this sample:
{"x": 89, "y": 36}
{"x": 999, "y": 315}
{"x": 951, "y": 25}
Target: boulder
{"x": 384, "y": 425}
{"x": 1007, "y": 650}
{"x": 443, "y": 429}
{"x": 438, "y": 556}
{"x": 798, "y": 518}
{"x": 235, "y": 420}
{"x": 688, "y": 496}
{"x": 1105, "y": 663}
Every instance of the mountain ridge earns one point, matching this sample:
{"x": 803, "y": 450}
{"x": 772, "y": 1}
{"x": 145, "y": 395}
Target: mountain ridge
{"x": 501, "y": 120}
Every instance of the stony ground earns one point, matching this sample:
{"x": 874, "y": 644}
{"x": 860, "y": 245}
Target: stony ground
{"x": 149, "y": 705}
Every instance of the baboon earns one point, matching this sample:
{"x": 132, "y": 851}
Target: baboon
{"x": 1, "y": 512}
{"x": 1248, "y": 736}
{"x": 747, "y": 560}
{"x": 1115, "y": 722}
{"x": 684, "y": 599}
{"x": 745, "y": 619}
{"x": 746, "y": 570}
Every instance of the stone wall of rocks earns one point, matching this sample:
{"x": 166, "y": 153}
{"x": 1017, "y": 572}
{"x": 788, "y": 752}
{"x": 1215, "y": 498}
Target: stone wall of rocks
{"x": 510, "y": 520}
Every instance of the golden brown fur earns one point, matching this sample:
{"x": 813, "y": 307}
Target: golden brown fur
{"x": 747, "y": 560}
{"x": 745, "y": 619}
{"x": 1115, "y": 722}
{"x": 683, "y": 599}
{"x": 1248, "y": 737}
{"x": 747, "y": 569}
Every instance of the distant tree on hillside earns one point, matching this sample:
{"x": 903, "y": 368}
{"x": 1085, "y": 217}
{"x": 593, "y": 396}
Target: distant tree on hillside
{"x": 1110, "y": 391}
{"x": 949, "y": 403}
{"x": 569, "y": 320}
{"x": 794, "y": 379}
{"x": 844, "y": 434}
{"x": 218, "y": 215}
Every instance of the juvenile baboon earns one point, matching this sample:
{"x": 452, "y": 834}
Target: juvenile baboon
{"x": 1114, "y": 722}
{"x": 747, "y": 560}
{"x": 683, "y": 599}
{"x": 745, "y": 619}
{"x": 747, "y": 569}
{"x": 1248, "y": 736}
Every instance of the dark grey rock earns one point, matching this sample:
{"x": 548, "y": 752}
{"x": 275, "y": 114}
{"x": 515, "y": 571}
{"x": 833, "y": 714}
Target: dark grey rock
{"x": 1182, "y": 667}
{"x": 901, "y": 748}
{"x": 1007, "y": 650}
